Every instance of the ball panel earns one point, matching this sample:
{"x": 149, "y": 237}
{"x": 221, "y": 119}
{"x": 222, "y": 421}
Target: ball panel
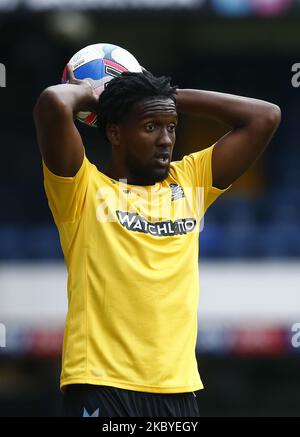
{"x": 112, "y": 68}
{"x": 91, "y": 118}
{"x": 125, "y": 58}
{"x": 65, "y": 75}
{"x": 93, "y": 69}
{"x": 87, "y": 54}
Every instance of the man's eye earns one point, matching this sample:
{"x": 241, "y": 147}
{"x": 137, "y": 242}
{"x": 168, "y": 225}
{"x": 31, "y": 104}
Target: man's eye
{"x": 150, "y": 127}
{"x": 172, "y": 127}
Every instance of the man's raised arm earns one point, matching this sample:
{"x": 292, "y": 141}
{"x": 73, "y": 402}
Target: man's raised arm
{"x": 59, "y": 140}
{"x": 253, "y": 124}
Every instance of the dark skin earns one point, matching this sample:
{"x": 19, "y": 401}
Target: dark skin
{"x": 150, "y": 127}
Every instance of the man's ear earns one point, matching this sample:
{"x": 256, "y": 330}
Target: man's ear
{"x": 113, "y": 134}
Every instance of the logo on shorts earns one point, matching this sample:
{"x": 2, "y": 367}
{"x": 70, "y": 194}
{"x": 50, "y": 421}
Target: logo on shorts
{"x": 94, "y": 414}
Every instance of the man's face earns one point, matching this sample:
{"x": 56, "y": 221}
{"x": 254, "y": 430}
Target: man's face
{"x": 147, "y": 138}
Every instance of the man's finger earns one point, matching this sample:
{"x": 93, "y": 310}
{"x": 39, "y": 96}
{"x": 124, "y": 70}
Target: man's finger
{"x": 71, "y": 74}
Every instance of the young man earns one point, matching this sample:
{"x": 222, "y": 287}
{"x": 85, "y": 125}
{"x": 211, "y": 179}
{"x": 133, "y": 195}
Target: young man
{"x": 130, "y": 235}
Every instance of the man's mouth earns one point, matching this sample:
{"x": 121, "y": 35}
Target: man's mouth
{"x": 162, "y": 159}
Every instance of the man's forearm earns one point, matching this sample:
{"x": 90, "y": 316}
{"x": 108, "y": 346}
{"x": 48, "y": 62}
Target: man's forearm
{"x": 235, "y": 111}
{"x": 73, "y": 98}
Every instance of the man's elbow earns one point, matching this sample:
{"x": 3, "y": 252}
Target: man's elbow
{"x": 271, "y": 116}
{"x": 47, "y": 102}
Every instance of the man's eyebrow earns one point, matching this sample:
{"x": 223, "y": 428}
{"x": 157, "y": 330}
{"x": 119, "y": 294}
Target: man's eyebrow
{"x": 154, "y": 116}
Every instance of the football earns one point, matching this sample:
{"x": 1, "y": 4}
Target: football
{"x": 100, "y": 62}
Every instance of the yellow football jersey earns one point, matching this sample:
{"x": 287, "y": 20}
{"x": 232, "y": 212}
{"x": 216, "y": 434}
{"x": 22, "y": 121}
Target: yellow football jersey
{"x": 132, "y": 258}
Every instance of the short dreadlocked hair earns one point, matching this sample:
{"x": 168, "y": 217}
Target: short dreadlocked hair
{"x": 124, "y": 91}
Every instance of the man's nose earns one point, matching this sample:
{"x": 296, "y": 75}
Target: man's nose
{"x": 165, "y": 138}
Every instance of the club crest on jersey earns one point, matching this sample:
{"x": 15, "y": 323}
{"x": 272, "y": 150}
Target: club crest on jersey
{"x": 177, "y": 192}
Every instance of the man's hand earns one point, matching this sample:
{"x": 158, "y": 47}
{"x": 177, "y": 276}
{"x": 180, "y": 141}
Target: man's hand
{"x": 94, "y": 87}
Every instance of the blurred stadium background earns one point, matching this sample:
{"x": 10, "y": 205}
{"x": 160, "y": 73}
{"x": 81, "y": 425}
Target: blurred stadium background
{"x": 247, "y": 348}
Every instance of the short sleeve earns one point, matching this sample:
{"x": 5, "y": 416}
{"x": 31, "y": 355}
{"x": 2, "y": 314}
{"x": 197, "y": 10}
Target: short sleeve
{"x": 196, "y": 170}
{"x": 66, "y": 195}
